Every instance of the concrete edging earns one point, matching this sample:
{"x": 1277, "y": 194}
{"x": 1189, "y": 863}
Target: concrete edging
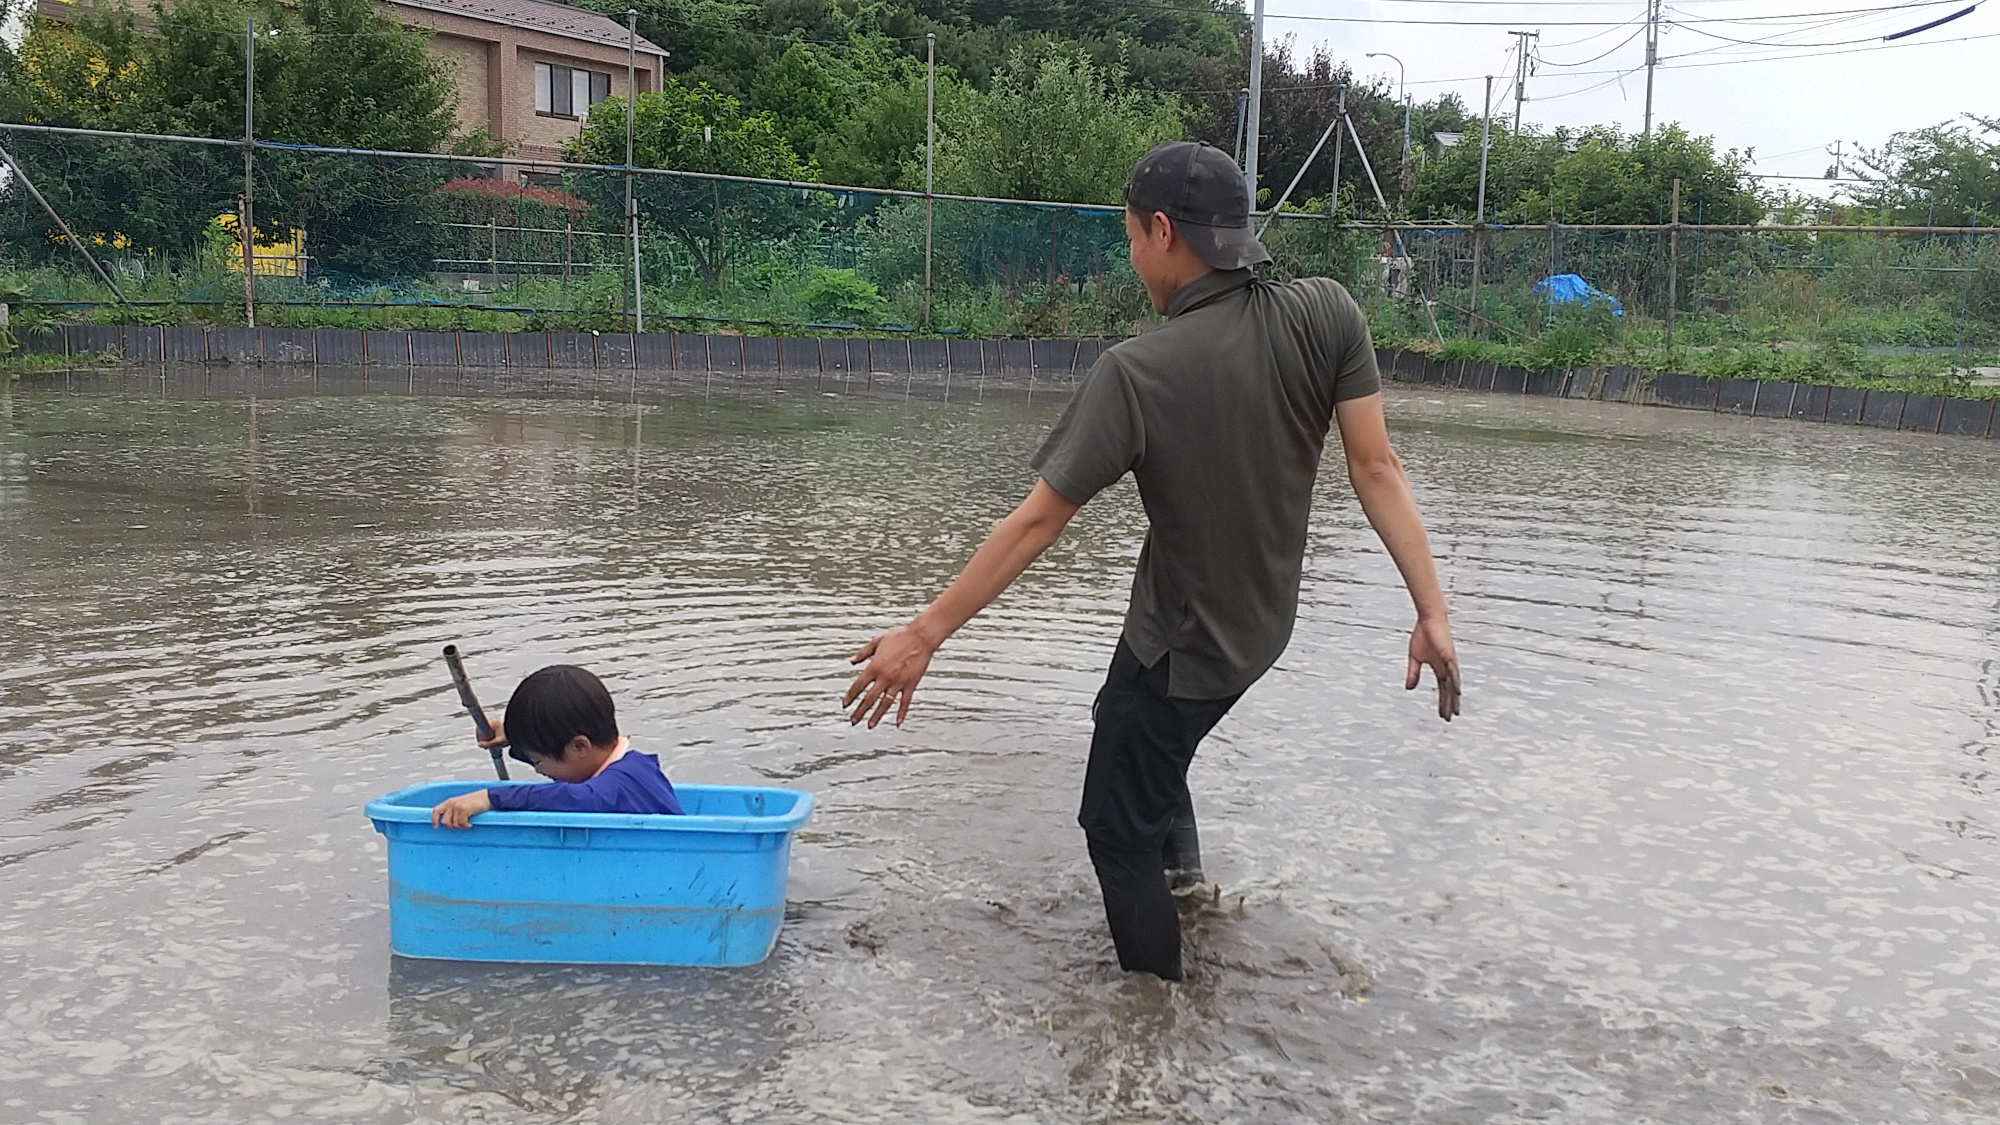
{"x": 1805, "y": 402}
{"x": 1001, "y": 362}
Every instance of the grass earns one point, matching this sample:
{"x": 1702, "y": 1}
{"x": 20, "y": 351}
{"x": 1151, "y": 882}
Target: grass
{"x": 1784, "y": 327}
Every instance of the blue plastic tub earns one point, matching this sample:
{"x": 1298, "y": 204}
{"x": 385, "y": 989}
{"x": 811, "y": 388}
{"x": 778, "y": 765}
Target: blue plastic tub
{"x": 707, "y": 888}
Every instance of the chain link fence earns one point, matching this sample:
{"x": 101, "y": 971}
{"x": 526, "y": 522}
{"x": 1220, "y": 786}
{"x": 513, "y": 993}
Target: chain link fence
{"x": 380, "y": 240}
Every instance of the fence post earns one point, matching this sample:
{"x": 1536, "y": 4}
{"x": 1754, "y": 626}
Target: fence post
{"x": 1479, "y": 217}
{"x": 930, "y": 151}
{"x": 631, "y": 204}
{"x": 1673, "y": 266}
{"x": 246, "y": 213}
{"x": 493, "y": 253}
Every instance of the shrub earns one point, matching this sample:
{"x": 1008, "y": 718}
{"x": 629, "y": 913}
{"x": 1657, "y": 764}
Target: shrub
{"x": 842, "y": 296}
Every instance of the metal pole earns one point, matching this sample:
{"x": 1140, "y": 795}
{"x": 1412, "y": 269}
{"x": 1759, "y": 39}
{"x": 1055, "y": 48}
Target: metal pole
{"x": 1339, "y": 143}
{"x": 246, "y": 217}
{"x": 631, "y": 203}
{"x": 1310, "y": 157}
{"x": 1401, "y": 74}
{"x": 1253, "y": 121}
{"x": 715, "y": 193}
{"x": 930, "y": 160}
{"x": 1673, "y": 265}
{"x": 57, "y": 219}
{"x": 1652, "y": 59}
{"x": 1479, "y": 221}
{"x": 1402, "y": 251}
{"x": 1242, "y": 110}
{"x": 1403, "y": 174}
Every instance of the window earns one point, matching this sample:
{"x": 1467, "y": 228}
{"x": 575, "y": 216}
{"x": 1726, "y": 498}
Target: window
{"x": 563, "y": 91}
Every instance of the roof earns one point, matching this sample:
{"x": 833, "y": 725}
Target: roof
{"x": 540, "y": 15}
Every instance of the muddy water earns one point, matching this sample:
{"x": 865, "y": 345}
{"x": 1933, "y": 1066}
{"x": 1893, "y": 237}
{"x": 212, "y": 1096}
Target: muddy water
{"x": 1715, "y": 839}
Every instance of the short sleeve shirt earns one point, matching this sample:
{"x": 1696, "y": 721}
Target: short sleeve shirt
{"x": 1221, "y": 415}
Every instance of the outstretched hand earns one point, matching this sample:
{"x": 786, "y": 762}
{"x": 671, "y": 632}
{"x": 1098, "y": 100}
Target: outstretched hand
{"x": 1430, "y": 644}
{"x": 895, "y": 662}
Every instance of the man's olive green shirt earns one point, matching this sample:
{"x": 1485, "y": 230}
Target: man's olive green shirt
{"x": 1220, "y": 414}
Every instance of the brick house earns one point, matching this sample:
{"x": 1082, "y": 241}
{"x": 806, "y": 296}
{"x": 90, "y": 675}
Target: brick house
{"x": 527, "y": 70}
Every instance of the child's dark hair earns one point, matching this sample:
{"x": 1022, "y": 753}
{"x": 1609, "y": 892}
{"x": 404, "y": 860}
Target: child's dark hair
{"x": 553, "y": 706}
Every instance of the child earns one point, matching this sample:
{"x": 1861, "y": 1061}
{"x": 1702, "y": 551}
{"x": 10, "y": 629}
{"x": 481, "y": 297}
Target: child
{"x": 561, "y": 722}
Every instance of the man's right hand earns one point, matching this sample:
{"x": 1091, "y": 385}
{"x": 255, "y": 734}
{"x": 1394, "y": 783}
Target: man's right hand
{"x": 896, "y": 661}
{"x": 499, "y": 738}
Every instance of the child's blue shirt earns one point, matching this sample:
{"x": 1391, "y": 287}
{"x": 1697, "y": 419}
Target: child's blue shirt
{"x": 632, "y": 784}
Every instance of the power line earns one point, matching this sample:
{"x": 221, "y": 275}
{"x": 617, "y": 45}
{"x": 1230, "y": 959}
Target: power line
{"x": 1595, "y": 58}
{"x": 1733, "y": 62}
{"x": 1826, "y": 54}
{"x": 1816, "y": 15}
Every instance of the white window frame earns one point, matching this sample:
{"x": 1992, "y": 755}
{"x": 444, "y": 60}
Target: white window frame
{"x": 568, "y": 92}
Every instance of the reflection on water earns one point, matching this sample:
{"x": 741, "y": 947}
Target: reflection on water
{"x": 1715, "y": 839}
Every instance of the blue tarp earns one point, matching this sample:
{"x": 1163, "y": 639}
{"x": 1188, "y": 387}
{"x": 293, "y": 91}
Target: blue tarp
{"x": 1569, "y": 289}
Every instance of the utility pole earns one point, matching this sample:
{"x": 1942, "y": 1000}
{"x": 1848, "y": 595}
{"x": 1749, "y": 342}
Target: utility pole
{"x": 1652, "y": 59}
{"x": 631, "y": 203}
{"x": 246, "y": 213}
{"x": 930, "y": 160}
{"x": 1253, "y": 121}
{"x": 1523, "y": 70}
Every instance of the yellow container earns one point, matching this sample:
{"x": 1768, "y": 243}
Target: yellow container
{"x": 282, "y": 257}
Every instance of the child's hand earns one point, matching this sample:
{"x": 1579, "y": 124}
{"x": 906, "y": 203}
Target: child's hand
{"x": 499, "y": 736}
{"x": 459, "y": 811}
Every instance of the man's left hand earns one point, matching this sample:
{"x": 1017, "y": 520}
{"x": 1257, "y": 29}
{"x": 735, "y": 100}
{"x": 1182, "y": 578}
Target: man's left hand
{"x": 1430, "y": 644}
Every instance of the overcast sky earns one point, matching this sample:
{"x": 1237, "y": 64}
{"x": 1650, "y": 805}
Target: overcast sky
{"x": 1789, "y": 110}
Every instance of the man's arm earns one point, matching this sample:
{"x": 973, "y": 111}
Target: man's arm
{"x": 1384, "y": 492}
{"x": 899, "y": 658}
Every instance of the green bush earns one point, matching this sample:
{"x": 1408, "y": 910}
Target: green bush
{"x": 842, "y": 296}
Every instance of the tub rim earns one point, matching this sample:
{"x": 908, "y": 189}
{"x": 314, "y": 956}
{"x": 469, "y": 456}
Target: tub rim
{"x": 391, "y": 808}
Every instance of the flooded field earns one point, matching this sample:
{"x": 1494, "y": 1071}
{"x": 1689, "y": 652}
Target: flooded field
{"x": 1716, "y": 839}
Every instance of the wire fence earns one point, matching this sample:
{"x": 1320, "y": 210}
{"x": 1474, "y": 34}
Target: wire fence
{"x": 369, "y": 239}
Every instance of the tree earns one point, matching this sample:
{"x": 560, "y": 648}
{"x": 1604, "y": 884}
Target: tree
{"x": 697, "y": 128}
{"x": 797, "y": 90}
{"x": 1054, "y": 126}
{"x": 329, "y": 72}
{"x": 884, "y": 134}
{"x": 1599, "y": 175}
{"x": 1947, "y": 174}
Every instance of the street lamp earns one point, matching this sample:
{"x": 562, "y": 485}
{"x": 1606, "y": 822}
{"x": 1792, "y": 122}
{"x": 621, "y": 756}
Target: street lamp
{"x": 1405, "y": 99}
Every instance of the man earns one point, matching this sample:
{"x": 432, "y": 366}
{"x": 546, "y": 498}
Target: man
{"x": 1221, "y": 414}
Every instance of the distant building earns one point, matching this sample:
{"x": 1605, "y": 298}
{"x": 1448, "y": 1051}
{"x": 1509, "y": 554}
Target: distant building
{"x": 528, "y": 71}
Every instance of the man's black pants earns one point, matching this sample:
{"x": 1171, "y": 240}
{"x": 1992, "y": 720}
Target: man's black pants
{"x": 1134, "y": 792}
